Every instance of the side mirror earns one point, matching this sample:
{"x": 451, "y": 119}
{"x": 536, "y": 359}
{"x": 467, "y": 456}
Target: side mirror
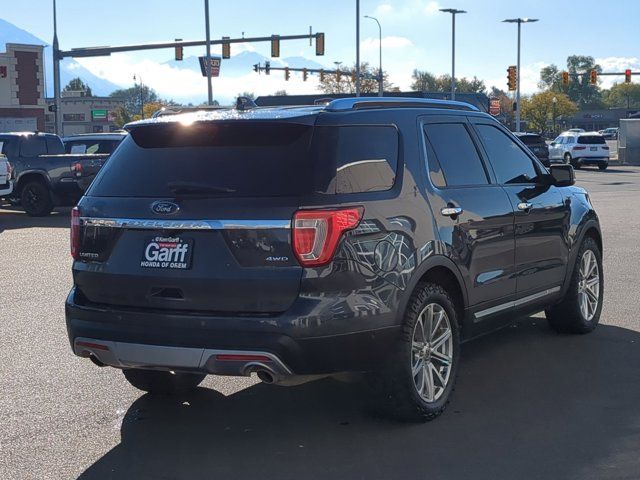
{"x": 562, "y": 175}
{"x": 552, "y": 144}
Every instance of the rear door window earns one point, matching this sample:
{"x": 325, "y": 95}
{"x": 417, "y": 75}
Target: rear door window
{"x": 452, "y": 156}
{"x": 591, "y": 140}
{"x": 531, "y": 139}
{"x": 33, "y": 146}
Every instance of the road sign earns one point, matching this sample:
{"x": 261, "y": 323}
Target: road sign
{"x": 214, "y": 63}
{"x": 494, "y": 106}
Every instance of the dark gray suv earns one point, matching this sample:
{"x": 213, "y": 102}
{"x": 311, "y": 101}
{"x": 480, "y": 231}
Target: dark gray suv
{"x": 367, "y": 235}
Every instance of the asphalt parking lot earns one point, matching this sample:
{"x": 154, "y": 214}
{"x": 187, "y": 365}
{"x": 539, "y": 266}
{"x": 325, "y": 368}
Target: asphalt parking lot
{"x": 529, "y": 404}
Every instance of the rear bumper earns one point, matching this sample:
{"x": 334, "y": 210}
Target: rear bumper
{"x": 587, "y": 160}
{"x": 6, "y": 189}
{"x": 152, "y": 340}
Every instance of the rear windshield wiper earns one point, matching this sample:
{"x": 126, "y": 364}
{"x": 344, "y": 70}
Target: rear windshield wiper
{"x": 194, "y": 188}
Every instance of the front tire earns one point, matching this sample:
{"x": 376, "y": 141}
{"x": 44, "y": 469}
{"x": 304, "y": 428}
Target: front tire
{"x": 579, "y": 311}
{"x": 35, "y": 199}
{"x": 162, "y": 382}
{"x": 418, "y": 380}
{"x": 603, "y": 166}
{"x": 567, "y": 159}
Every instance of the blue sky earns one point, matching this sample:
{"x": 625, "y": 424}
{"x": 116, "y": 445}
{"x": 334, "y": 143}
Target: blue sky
{"x": 416, "y": 34}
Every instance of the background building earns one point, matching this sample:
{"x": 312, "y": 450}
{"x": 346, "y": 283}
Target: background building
{"x": 82, "y": 114}
{"x": 22, "y": 104}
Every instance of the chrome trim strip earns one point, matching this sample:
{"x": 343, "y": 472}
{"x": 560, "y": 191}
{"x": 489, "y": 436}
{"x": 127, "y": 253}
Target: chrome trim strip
{"x": 520, "y": 301}
{"x": 153, "y": 224}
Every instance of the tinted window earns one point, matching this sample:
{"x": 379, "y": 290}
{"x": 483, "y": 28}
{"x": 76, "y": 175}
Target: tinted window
{"x": 54, "y": 146}
{"x": 363, "y": 158}
{"x": 570, "y": 140}
{"x": 217, "y": 159}
{"x": 510, "y": 163}
{"x": 531, "y": 139}
{"x": 4, "y": 147}
{"x": 33, "y": 146}
{"x": 591, "y": 139}
{"x": 452, "y": 156}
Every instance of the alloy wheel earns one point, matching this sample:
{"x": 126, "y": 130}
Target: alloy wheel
{"x": 589, "y": 285}
{"x": 431, "y": 352}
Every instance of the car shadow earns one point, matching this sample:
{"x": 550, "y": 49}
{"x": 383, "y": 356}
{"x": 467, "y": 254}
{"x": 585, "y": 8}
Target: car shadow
{"x": 528, "y": 404}
{"x": 12, "y": 218}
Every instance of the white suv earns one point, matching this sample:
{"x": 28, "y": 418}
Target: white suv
{"x": 580, "y": 148}
{"x": 6, "y": 183}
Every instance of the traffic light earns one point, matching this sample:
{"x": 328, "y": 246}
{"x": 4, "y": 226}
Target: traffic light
{"x": 256, "y": 67}
{"x": 565, "y": 78}
{"x": 226, "y": 48}
{"x": 267, "y": 68}
{"x": 287, "y": 74}
{"x": 305, "y": 74}
{"x": 319, "y": 43}
{"x": 627, "y": 75}
{"x": 512, "y": 77}
{"x": 321, "y": 75}
{"x": 179, "y": 51}
{"x": 593, "y": 77}
{"x": 275, "y": 45}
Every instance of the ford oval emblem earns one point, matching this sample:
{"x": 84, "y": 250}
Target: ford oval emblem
{"x": 164, "y": 208}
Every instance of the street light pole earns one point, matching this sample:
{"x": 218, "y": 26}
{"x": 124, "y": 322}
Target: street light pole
{"x": 555, "y": 101}
{"x": 208, "y": 39}
{"x": 380, "y": 78}
{"x": 57, "y": 115}
{"x": 453, "y": 13}
{"x": 519, "y": 21}
{"x": 357, "y": 48}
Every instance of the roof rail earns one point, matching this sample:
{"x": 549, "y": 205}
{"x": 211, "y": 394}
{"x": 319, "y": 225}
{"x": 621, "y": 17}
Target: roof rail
{"x": 360, "y": 103}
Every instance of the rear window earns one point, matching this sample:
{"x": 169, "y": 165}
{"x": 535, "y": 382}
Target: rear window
{"x": 531, "y": 139}
{"x": 591, "y": 140}
{"x": 250, "y": 159}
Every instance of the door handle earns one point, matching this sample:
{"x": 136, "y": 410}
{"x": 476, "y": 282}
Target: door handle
{"x": 525, "y": 207}
{"x": 451, "y": 211}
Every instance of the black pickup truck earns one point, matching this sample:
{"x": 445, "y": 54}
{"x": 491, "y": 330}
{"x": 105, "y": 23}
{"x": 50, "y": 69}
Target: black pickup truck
{"x": 46, "y": 177}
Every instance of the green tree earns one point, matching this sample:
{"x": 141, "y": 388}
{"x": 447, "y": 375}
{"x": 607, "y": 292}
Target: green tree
{"x": 579, "y": 90}
{"x": 121, "y": 116}
{"x": 281, "y": 93}
{"x": 347, "y": 83}
{"x": 135, "y": 97}
{"x": 540, "y": 108}
{"x": 427, "y": 82}
{"x": 77, "y": 84}
{"x": 249, "y": 95}
{"x": 506, "y": 106}
{"x": 626, "y": 95}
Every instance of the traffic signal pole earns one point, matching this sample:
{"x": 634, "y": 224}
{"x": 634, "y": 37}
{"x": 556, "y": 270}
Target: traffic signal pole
{"x": 208, "y": 36}
{"x": 57, "y": 115}
{"x": 518, "y": 83}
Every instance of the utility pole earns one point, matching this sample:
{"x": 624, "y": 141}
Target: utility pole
{"x": 357, "y": 48}
{"x": 56, "y": 74}
{"x": 380, "y": 77}
{"x": 208, "y": 39}
{"x": 519, "y": 21}
{"x": 453, "y": 13}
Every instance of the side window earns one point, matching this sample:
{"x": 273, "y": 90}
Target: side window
{"x": 452, "y": 157}
{"x": 53, "y": 146}
{"x": 33, "y": 146}
{"x": 559, "y": 141}
{"x": 510, "y": 163}
{"x": 570, "y": 140}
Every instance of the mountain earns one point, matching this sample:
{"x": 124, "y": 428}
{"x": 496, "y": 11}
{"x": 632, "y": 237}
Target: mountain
{"x": 69, "y": 68}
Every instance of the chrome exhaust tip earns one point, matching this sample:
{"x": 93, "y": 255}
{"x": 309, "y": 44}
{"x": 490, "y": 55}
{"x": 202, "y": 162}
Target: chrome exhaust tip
{"x": 265, "y": 376}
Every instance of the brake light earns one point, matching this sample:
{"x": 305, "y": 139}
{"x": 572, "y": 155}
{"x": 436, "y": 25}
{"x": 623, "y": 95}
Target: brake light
{"x": 9, "y": 171}
{"x": 579, "y": 148}
{"x": 316, "y": 233}
{"x": 75, "y": 232}
{"x": 77, "y": 169}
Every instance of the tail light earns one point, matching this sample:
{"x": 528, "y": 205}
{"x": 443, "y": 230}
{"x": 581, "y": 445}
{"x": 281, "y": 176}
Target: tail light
{"x": 75, "y": 232}
{"x": 9, "y": 171}
{"x": 316, "y": 233}
{"x": 579, "y": 148}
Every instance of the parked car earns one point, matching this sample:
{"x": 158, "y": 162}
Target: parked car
{"x": 578, "y": 149}
{"x": 576, "y": 130}
{"x": 367, "y": 235}
{"x": 609, "y": 133}
{"x": 46, "y": 177}
{"x": 93, "y": 142}
{"x": 6, "y": 176}
{"x": 537, "y": 144}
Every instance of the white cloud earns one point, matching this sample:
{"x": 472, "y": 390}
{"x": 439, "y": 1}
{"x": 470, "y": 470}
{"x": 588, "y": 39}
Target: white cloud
{"x": 190, "y": 86}
{"x": 409, "y": 9}
{"x": 616, "y": 64}
{"x": 529, "y": 78}
{"x": 371, "y": 44}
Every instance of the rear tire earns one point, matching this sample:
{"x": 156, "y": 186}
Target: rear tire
{"x": 162, "y": 382}
{"x": 35, "y": 199}
{"x": 579, "y": 311}
{"x": 603, "y": 166}
{"x": 417, "y": 381}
